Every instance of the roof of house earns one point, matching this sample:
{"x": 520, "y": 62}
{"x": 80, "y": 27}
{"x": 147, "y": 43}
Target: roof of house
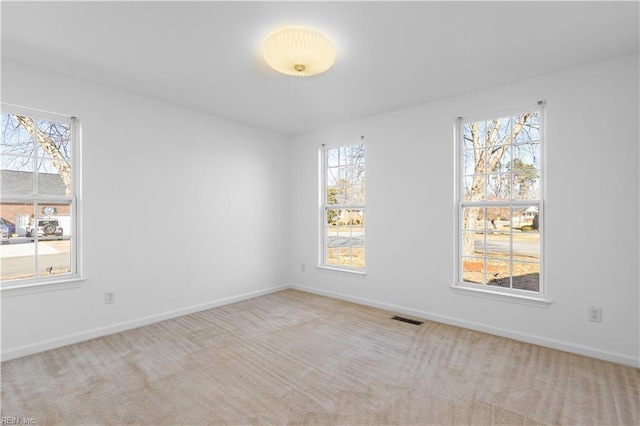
{"x": 21, "y": 183}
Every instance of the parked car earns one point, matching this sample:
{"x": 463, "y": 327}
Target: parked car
{"x": 5, "y": 230}
{"x": 46, "y": 227}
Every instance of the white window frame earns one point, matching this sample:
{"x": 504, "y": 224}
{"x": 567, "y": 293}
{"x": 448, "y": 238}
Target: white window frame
{"x": 495, "y": 292}
{"x": 75, "y": 276}
{"x": 324, "y": 207}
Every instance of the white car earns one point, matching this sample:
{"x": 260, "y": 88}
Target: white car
{"x": 5, "y": 229}
{"x": 46, "y": 227}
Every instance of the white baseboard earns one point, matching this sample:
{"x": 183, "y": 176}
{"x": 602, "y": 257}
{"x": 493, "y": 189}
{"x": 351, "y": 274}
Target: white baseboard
{"x": 128, "y": 325}
{"x": 472, "y": 325}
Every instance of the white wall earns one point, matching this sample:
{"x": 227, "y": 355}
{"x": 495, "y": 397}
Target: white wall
{"x": 592, "y": 178}
{"x": 240, "y": 238}
{"x": 181, "y": 211}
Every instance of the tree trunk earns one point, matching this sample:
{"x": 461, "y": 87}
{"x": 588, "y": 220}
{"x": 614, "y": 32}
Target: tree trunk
{"x": 469, "y": 223}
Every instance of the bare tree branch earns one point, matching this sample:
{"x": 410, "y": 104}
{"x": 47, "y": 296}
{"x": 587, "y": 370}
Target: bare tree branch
{"x": 48, "y": 145}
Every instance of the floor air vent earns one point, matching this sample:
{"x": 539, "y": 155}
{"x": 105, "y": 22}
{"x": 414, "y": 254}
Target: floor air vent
{"x": 410, "y": 321}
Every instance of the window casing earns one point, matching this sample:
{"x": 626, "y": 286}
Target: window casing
{"x": 342, "y": 212}
{"x": 39, "y": 191}
{"x": 500, "y": 196}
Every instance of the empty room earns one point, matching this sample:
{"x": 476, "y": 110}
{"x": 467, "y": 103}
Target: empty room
{"x": 366, "y": 213}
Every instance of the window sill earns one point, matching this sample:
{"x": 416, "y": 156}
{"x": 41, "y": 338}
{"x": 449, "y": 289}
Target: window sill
{"x": 42, "y": 286}
{"x": 524, "y": 299}
{"x": 351, "y": 272}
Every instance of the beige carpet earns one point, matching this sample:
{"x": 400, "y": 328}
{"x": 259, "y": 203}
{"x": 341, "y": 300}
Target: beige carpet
{"x": 297, "y": 358}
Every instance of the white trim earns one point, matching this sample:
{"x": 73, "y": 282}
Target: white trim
{"x": 41, "y": 114}
{"x": 473, "y": 325}
{"x": 343, "y": 142}
{"x": 535, "y": 299}
{"x": 46, "y": 345}
{"x": 360, "y": 272}
{"x": 65, "y": 283}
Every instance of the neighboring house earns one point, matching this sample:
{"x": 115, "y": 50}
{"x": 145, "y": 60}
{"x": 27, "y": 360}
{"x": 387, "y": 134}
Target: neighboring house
{"x": 529, "y": 213}
{"x": 15, "y": 182}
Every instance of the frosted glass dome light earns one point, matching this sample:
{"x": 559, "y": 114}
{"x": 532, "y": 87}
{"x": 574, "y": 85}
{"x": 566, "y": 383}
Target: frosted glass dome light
{"x": 299, "y": 51}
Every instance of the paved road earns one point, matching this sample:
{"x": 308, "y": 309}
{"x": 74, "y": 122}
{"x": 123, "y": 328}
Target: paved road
{"x": 524, "y": 248}
{"x": 18, "y": 259}
{"x": 344, "y": 239}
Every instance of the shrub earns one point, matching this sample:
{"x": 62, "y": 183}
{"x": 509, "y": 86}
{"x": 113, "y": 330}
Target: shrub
{"x": 527, "y": 229}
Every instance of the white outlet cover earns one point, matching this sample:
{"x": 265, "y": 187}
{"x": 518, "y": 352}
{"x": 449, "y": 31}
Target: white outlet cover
{"x": 595, "y": 314}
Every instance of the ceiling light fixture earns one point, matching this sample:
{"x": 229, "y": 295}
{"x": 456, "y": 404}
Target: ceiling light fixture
{"x": 299, "y": 51}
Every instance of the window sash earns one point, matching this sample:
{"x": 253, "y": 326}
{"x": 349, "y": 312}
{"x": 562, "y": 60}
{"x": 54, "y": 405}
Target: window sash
{"x": 37, "y": 200}
{"x": 462, "y": 172}
{"x": 325, "y": 208}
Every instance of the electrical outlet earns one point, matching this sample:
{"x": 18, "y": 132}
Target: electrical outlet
{"x": 109, "y": 297}
{"x": 595, "y": 313}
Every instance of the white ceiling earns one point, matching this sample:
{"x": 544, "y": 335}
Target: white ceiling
{"x": 206, "y": 55}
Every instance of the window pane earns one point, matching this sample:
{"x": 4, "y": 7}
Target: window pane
{"x": 332, "y": 195}
{"x": 342, "y": 191}
{"x": 357, "y": 257}
{"x": 346, "y": 194}
{"x": 497, "y": 132}
{"x": 17, "y": 176}
{"x": 474, "y": 188}
{"x": 53, "y": 220}
{"x": 499, "y": 273}
{"x": 331, "y": 216}
{"x": 498, "y": 245}
{"x": 526, "y": 231}
{"x": 499, "y": 187}
{"x": 473, "y": 243}
{"x": 54, "y": 140}
{"x": 332, "y": 256}
{"x": 333, "y": 176}
{"x": 526, "y": 245}
{"x": 17, "y": 261}
{"x": 17, "y": 253}
{"x": 51, "y": 177}
{"x": 473, "y": 218}
{"x": 531, "y": 129}
{"x": 17, "y": 217}
{"x": 54, "y": 257}
{"x": 15, "y": 138}
{"x": 498, "y": 159}
{"x": 468, "y": 136}
{"x": 357, "y": 154}
{"x": 473, "y": 270}
{"x": 526, "y": 156}
{"x": 526, "y": 276}
{"x": 474, "y": 135}
{"x": 20, "y": 163}
{"x": 469, "y": 161}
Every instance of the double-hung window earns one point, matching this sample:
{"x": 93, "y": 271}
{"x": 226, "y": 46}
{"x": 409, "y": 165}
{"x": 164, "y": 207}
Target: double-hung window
{"x": 342, "y": 213}
{"x": 39, "y": 198}
{"x": 499, "y": 196}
